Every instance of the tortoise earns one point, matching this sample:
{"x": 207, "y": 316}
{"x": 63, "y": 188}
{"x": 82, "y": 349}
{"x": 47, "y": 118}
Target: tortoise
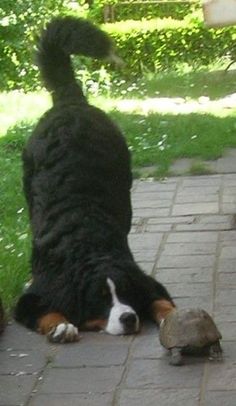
{"x": 190, "y": 331}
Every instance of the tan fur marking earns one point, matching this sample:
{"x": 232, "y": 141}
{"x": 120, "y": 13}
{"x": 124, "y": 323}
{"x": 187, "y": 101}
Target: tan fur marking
{"x": 98, "y": 324}
{"x": 160, "y": 309}
{"x": 50, "y": 320}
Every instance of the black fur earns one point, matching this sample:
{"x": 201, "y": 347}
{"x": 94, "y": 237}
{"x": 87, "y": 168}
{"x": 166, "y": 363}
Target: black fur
{"x": 77, "y": 182}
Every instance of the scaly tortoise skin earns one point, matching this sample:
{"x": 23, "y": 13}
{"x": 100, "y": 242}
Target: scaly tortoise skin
{"x": 189, "y": 330}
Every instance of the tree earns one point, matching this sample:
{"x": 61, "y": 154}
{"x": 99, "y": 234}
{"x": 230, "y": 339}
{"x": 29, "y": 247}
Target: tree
{"x": 19, "y": 22}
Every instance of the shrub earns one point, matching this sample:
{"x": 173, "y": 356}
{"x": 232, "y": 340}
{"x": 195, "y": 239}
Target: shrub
{"x": 135, "y": 11}
{"x": 146, "y": 46}
{"x": 159, "y": 45}
{"x": 20, "y": 22}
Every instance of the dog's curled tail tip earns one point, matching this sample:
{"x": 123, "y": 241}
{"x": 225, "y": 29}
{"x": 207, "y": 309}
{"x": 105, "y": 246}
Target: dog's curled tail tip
{"x": 63, "y": 37}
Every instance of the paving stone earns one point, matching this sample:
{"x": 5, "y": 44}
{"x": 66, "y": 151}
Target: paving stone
{"x": 181, "y": 166}
{"x": 189, "y": 289}
{"x": 186, "y": 261}
{"x": 145, "y": 255}
{"x": 145, "y": 241}
{"x": 151, "y": 204}
{"x": 155, "y": 212}
{"x": 227, "y": 265}
{"x": 155, "y": 187}
{"x": 225, "y": 278}
{"x": 185, "y": 275}
{"x": 197, "y": 187}
{"x": 171, "y": 220}
{"x": 80, "y": 380}
{"x": 156, "y": 196}
{"x": 223, "y": 377}
{"x": 229, "y": 353}
{"x": 195, "y": 208}
{"x": 93, "y": 355}
{"x": 193, "y": 237}
{"x": 229, "y": 208}
{"x": 191, "y": 302}
{"x": 81, "y": 399}
{"x": 228, "y": 237}
{"x": 16, "y": 362}
{"x": 148, "y": 347}
{"x": 225, "y": 313}
{"x": 227, "y": 329}
{"x": 15, "y": 390}
{"x": 154, "y": 397}
{"x": 199, "y": 197}
{"x": 134, "y": 370}
{"x": 203, "y": 227}
{"x": 147, "y": 267}
{"x": 231, "y": 198}
{"x": 155, "y": 228}
{"x": 93, "y": 338}
{"x": 230, "y": 179}
{"x": 226, "y": 296}
{"x": 222, "y": 219}
{"x": 226, "y": 165}
{"x": 213, "y": 180}
{"x": 20, "y": 338}
{"x": 151, "y": 373}
{"x": 219, "y": 398}
{"x": 189, "y": 249}
{"x": 228, "y": 252}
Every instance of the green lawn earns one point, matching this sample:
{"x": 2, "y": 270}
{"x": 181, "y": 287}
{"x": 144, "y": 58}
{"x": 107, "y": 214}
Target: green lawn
{"x": 163, "y": 119}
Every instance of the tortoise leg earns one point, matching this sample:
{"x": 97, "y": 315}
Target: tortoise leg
{"x": 215, "y": 352}
{"x": 176, "y": 357}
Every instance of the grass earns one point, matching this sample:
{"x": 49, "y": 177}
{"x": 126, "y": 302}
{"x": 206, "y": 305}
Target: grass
{"x": 163, "y": 120}
{"x": 199, "y": 168}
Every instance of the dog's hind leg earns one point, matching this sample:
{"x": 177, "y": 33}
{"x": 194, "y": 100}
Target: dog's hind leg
{"x": 57, "y": 329}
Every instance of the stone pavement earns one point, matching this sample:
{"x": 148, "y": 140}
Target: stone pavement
{"x": 183, "y": 234}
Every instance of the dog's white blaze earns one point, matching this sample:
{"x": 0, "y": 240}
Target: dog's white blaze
{"x": 114, "y": 325}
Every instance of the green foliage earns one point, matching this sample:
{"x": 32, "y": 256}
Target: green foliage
{"x": 155, "y": 45}
{"x": 20, "y": 22}
{"x": 135, "y": 11}
{"x": 160, "y": 45}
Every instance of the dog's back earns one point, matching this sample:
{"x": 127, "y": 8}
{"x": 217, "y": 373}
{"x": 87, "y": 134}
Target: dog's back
{"x": 76, "y": 152}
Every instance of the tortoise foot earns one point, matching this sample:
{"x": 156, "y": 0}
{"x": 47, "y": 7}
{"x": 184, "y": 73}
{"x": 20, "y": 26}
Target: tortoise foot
{"x": 215, "y": 352}
{"x": 176, "y": 357}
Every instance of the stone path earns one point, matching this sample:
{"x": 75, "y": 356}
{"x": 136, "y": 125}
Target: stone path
{"x": 183, "y": 234}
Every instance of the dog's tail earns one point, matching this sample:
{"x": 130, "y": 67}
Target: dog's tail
{"x": 63, "y": 37}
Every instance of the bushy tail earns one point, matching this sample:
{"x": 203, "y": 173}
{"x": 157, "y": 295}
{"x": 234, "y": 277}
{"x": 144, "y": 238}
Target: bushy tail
{"x": 63, "y": 37}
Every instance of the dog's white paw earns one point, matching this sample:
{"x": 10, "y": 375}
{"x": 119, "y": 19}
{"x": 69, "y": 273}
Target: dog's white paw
{"x": 64, "y": 333}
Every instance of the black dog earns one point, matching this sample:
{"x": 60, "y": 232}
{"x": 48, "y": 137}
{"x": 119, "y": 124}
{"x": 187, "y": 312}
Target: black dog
{"x": 77, "y": 182}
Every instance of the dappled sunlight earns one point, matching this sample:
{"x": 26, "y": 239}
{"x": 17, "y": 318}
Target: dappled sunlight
{"x": 176, "y": 105}
{"x": 17, "y": 106}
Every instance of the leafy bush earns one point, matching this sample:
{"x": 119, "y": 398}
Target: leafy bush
{"x": 20, "y": 22}
{"x": 159, "y": 45}
{"x": 146, "y": 46}
{"x": 135, "y": 11}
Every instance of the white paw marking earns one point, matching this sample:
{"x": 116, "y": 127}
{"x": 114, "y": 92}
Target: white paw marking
{"x": 64, "y": 333}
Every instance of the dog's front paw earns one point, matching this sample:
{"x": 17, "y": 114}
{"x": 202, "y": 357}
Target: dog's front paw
{"x": 63, "y": 333}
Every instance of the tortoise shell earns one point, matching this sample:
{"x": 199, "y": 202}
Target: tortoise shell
{"x": 193, "y": 328}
